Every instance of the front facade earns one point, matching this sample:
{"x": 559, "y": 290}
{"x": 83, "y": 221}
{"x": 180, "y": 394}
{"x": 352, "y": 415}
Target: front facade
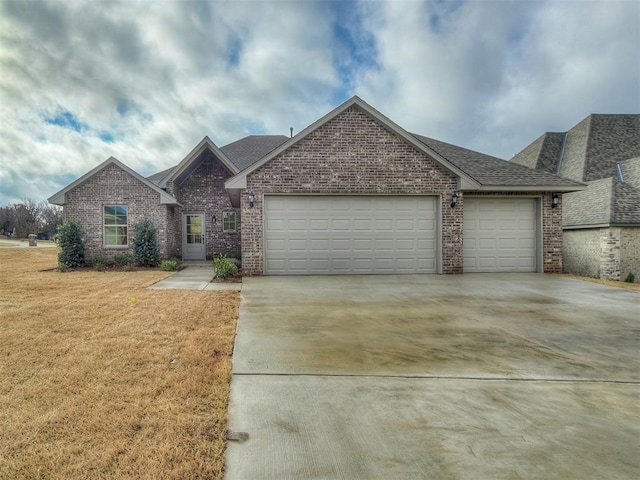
{"x": 352, "y": 193}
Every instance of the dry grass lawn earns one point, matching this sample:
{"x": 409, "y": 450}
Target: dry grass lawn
{"x": 101, "y": 378}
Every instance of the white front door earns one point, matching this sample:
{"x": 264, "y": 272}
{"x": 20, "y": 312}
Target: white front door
{"x": 193, "y": 241}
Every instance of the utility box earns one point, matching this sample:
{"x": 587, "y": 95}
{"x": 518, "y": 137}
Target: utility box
{"x": 33, "y": 240}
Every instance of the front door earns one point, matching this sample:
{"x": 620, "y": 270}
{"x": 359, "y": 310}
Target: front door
{"x": 193, "y": 242}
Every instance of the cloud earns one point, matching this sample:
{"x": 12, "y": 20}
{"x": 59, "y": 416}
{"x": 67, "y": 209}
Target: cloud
{"x": 145, "y": 81}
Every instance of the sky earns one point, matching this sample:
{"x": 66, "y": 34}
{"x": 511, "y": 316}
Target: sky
{"x": 145, "y": 80}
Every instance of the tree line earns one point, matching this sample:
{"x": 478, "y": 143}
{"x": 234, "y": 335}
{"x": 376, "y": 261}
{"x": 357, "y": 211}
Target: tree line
{"x": 18, "y": 220}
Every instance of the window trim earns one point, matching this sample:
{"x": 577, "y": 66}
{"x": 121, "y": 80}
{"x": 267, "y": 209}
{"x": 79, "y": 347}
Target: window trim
{"x": 224, "y": 221}
{"x": 105, "y": 225}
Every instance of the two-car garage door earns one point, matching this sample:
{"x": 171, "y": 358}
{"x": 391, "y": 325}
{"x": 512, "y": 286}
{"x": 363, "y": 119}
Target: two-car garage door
{"x": 310, "y": 234}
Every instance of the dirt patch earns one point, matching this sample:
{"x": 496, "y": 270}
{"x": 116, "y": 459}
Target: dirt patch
{"x": 611, "y": 283}
{"x": 104, "y": 378}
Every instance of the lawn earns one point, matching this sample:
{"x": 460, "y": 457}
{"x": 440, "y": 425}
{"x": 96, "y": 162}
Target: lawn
{"x": 101, "y": 378}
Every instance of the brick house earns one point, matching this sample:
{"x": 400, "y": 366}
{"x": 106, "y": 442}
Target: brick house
{"x": 601, "y": 223}
{"x": 352, "y": 193}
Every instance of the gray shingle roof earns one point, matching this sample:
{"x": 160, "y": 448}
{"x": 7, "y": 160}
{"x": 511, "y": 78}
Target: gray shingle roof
{"x": 248, "y": 150}
{"x": 590, "y": 152}
{"x": 493, "y": 171}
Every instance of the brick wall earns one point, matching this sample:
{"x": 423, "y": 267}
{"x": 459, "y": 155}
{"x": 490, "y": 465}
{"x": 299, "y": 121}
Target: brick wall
{"x": 352, "y": 153}
{"x": 630, "y": 252}
{"x": 114, "y": 186}
{"x": 203, "y": 192}
{"x": 581, "y": 252}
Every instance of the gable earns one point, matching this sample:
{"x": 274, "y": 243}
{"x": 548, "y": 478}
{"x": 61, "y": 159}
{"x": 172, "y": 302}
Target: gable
{"x": 125, "y": 176}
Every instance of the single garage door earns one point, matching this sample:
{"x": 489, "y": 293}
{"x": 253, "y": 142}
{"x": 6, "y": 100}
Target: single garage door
{"x": 499, "y": 235}
{"x": 319, "y": 235}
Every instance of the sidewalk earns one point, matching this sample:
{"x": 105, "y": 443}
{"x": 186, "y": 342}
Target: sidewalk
{"x": 195, "y": 276}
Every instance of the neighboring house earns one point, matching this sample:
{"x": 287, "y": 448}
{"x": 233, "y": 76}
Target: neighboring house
{"x": 353, "y": 193}
{"x": 601, "y": 223}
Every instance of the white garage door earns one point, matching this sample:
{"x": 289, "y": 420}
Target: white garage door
{"x": 499, "y": 235}
{"x": 349, "y": 234}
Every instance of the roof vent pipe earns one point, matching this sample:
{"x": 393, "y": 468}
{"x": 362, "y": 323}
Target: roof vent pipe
{"x": 291, "y": 130}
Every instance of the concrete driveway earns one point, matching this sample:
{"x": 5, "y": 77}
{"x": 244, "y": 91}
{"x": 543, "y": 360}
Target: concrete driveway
{"x": 472, "y": 376}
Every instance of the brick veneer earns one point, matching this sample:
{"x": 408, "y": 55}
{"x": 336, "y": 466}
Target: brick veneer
{"x": 203, "y": 192}
{"x": 114, "y": 186}
{"x": 354, "y": 154}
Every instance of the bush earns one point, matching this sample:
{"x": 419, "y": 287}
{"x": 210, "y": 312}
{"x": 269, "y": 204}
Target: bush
{"x": 145, "y": 245}
{"x": 69, "y": 240}
{"x": 223, "y": 267}
{"x": 100, "y": 263}
{"x": 631, "y": 278}
{"x": 170, "y": 265}
{"x": 123, "y": 259}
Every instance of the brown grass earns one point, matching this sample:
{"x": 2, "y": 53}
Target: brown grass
{"x": 101, "y": 378}
{"x": 611, "y": 283}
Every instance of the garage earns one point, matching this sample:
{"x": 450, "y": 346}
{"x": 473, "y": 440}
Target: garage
{"x": 500, "y": 235}
{"x": 350, "y": 234}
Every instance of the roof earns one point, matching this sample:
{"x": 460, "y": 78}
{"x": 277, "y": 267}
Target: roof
{"x": 495, "y": 173}
{"x": 602, "y": 150}
{"x": 59, "y": 198}
{"x": 248, "y": 150}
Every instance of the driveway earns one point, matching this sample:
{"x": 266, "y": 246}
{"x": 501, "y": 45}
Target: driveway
{"x": 470, "y": 376}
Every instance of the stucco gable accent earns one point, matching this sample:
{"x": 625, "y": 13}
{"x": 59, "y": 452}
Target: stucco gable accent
{"x": 239, "y": 181}
{"x": 59, "y": 198}
{"x": 187, "y": 162}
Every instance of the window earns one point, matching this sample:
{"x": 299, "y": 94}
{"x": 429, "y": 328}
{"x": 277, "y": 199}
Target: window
{"x": 228, "y": 221}
{"x": 115, "y": 225}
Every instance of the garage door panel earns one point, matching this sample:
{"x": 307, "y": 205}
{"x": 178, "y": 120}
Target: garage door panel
{"x": 350, "y": 234}
{"x": 499, "y": 235}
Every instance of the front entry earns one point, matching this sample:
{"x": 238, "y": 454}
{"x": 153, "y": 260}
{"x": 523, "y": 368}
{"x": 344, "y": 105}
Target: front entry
{"x": 193, "y": 241}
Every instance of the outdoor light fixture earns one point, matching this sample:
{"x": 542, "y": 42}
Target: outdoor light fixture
{"x": 251, "y": 199}
{"x": 454, "y": 199}
{"x": 554, "y": 200}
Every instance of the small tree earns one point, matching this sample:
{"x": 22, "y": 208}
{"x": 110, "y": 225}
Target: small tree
{"x": 69, "y": 240}
{"x": 145, "y": 245}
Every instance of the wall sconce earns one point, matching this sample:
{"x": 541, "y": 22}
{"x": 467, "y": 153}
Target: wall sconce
{"x": 454, "y": 199}
{"x": 251, "y": 199}
{"x": 554, "y": 200}
{"x": 213, "y": 219}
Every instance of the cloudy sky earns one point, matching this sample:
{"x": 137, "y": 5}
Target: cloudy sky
{"x": 145, "y": 80}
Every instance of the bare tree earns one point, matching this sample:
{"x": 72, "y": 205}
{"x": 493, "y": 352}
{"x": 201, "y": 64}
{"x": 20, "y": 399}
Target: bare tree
{"x": 28, "y": 217}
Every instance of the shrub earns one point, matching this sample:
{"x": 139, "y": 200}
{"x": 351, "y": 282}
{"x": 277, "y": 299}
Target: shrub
{"x": 145, "y": 245}
{"x": 170, "y": 265}
{"x": 223, "y": 267}
{"x": 69, "y": 240}
{"x": 100, "y": 263}
{"x": 631, "y": 278}
{"x": 123, "y": 259}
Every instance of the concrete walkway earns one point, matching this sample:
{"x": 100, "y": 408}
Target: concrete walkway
{"x": 508, "y": 376}
{"x": 194, "y": 276}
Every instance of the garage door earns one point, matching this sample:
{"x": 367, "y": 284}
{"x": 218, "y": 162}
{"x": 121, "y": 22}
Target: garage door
{"x": 499, "y": 235}
{"x": 349, "y": 234}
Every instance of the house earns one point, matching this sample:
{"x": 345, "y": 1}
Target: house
{"x": 601, "y": 223}
{"x": 353, "y": 193}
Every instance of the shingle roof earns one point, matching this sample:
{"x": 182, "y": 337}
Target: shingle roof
{"x": 493, "y": 171}
{"x": 242, "y": 153}
{"x": 591, "y": 152}
{"x": 248, "y": 150}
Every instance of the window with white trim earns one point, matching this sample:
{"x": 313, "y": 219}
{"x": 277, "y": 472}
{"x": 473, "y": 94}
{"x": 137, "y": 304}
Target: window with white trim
{"x": 115, "y": 225}
{"x": 228, "y": 221}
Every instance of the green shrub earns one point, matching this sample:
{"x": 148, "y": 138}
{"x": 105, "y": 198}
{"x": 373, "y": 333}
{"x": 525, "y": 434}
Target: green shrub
{"x": 223, "y": 267}
{"x": 123, "y": 259}
{"x": 69, "y": 240}
{"x": 145, "y": 245}
{"x": 170, "y": 265}
{"x": 631, "y": 278}
{"x": 100, "y": 263}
